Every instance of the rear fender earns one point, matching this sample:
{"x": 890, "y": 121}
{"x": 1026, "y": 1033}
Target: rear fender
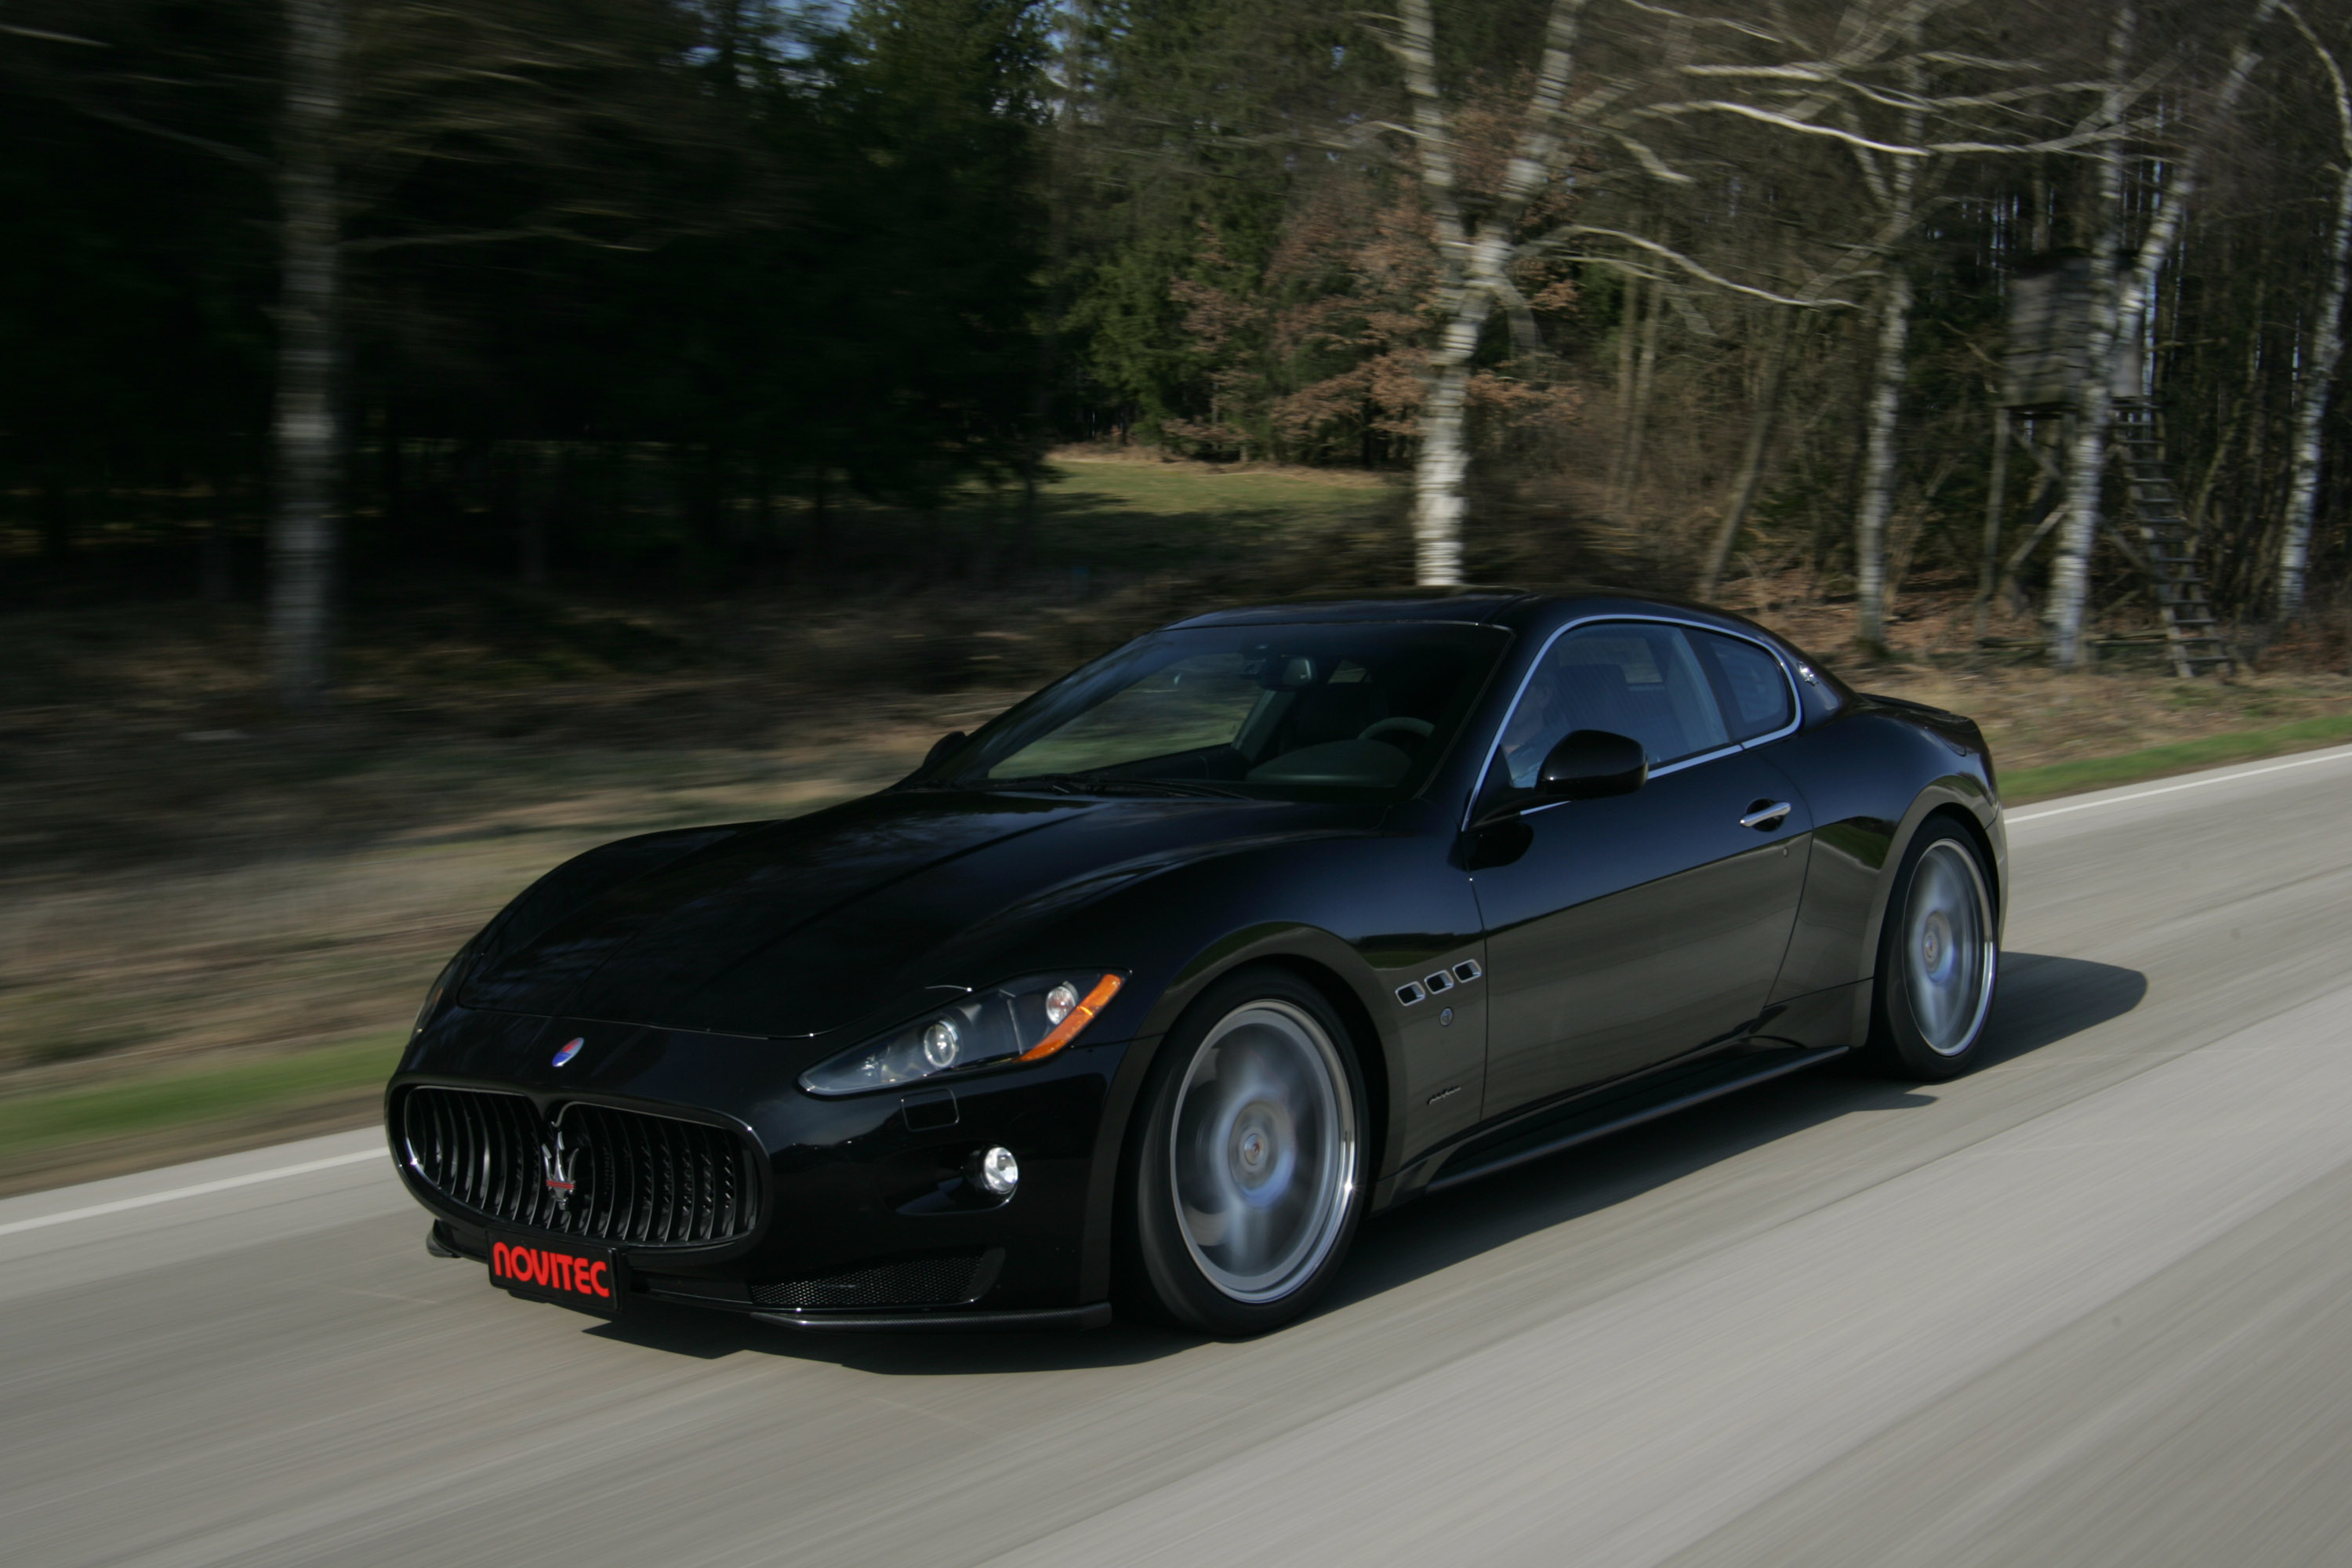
{"x": 1959, "y": 796}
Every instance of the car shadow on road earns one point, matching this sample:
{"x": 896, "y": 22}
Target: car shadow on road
{"x": 2043, "y": 999}
{"x": 712, "y": 1336}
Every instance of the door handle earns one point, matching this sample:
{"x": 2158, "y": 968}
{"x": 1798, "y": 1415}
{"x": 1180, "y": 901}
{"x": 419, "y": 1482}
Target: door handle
{"x": 1765, "y": 813}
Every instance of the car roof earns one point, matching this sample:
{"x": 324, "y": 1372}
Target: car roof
{"x": 1474, "y": 606}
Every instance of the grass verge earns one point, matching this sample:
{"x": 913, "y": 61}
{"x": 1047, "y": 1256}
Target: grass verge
{"x": 151, "y": 1120}
{"x": 2022, "y": 785}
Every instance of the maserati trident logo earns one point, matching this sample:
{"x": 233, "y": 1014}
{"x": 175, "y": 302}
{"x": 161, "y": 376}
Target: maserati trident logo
{"x": 555, "y": 1163}
{"x": 571, "y": 1048}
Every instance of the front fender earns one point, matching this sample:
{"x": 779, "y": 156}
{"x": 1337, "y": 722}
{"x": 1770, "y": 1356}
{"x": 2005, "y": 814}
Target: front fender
{"x": 1356, "y": 916}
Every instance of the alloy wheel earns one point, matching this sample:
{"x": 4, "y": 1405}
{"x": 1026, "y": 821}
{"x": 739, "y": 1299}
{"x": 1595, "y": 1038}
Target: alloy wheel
{"x": 1948, "y": 951}
{"x": 1263, "y": 1160}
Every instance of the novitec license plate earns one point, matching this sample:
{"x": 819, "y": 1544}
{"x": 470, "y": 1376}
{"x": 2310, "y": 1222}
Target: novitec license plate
{"x": 585, "y": 1277}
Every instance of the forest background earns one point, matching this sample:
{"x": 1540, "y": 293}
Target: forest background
{"x": 436, "y": 436}
{"x": 677, "y": 291}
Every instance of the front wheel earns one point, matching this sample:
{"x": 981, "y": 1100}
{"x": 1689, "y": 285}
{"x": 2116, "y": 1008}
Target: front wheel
{"x": 1938, "y": 960}
{"x": 1245, "y": 1184}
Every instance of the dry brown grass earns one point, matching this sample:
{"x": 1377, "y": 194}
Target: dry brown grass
{"x": 2125, "y": 700}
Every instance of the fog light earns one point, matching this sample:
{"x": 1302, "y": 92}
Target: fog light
{"x": 1000, "y": 1172}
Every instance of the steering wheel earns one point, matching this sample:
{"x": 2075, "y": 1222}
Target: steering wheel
{"x": 1420, "y": 728}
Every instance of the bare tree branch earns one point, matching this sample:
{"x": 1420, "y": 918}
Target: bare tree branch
{"x": 1893, "y": 148}
{"x": 1551, "y": 243}
{"x": 1651, "y": 163}
{"x": 49, "y": 37}
{"x": 222, "y": 149}
{"x": 1733, "y": 23}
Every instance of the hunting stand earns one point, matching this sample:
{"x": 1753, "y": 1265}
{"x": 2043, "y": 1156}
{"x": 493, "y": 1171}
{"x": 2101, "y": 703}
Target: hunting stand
{"x": 2045, "y": 370}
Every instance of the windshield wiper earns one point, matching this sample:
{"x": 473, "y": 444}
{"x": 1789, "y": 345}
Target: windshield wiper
{"x": 1112, "y": 784}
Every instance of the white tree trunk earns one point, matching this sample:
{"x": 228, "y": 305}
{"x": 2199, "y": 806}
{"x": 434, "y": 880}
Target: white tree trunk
{"x": 1878, "y": 465}
{"x": 1473, "y": 267}
{"x": 1897, "y": 188}
{"x": 2119, "y": 300}
{"x": 2319, "y": 371}
{"x": 302, "y": 539}
{"x": 1443, "y": 463}
{"x": 2087, "y": 455}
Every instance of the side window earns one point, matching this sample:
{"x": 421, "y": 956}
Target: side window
{"x": 1749, "y": 682}
{"x": 1640, "y": 679}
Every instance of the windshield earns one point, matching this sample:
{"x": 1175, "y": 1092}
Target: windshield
{"x": 1291, "y": 711}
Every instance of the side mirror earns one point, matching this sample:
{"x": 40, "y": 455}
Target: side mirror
{"x": 947, "y": 745}
{"x": 1587, "y": 764}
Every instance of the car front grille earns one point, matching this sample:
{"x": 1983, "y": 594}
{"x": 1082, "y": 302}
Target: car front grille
{"x": 636, "y": 1178}
{"x": 922, "y": 1283}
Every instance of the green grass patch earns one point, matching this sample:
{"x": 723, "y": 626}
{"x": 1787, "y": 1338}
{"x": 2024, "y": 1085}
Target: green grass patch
{"x": 2021, "y": 785}
{"x": 1176, "y": 489}
{"x": 171, "y": 1100}
{"x": 1150, "y": 515}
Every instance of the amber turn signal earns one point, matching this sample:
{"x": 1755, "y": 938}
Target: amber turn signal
{"x": 1080, "y": 1017}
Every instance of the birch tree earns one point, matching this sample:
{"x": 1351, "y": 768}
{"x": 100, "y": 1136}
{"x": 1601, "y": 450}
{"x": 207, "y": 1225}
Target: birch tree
{"x": 2318, "y": 374}
{"x": 1893, "y": 180}
{"x": 1877, "y": 99}
{"x": 2121, "y": 294}
{"x": 1477, "y": 259}
{"x": 302, "y": 533}
{"x": 302, "y": 540}
{"x": 1867, "y": 93}
{"x": 1474, "y": 262}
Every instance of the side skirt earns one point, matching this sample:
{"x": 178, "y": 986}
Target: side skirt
{"x": 1582, "y": 1122}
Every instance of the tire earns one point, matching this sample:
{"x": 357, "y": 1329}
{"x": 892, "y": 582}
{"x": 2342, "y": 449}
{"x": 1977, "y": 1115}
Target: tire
{"x": 1939, "y": 960}
{"x": 1245, "y": 1178}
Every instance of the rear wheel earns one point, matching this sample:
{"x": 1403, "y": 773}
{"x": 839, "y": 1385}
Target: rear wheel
{"x": 1245, "y": 1191}
{"x": 1938, "y": 959}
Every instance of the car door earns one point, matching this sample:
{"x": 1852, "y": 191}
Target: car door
{"x": 1626, "y": 930}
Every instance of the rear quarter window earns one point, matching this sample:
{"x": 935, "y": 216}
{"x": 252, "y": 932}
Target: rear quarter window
{"x": 1749, "y": 684}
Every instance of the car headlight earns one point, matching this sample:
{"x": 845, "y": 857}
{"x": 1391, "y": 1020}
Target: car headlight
{"x": 1027, "y": 1020}
{"x": 442, "y": 984}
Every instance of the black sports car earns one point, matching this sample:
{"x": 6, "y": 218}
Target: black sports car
{"x": 1154, "y": 987}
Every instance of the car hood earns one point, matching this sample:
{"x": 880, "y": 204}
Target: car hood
{"x": 797, "y": 928}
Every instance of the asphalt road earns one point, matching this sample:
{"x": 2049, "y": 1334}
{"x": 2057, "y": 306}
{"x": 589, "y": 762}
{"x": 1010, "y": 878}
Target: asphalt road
{"x": 2091, "y": 1304}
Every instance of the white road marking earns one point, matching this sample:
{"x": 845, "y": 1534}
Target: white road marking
{"x": 2344, "y": 754}
{"x": 121, "y": 1204}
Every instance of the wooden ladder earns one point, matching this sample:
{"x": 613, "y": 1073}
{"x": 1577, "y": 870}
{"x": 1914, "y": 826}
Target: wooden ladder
{"x": 2191, "y": 635}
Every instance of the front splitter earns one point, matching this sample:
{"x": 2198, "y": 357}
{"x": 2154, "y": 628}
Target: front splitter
{"x": 1064, "y": 1318}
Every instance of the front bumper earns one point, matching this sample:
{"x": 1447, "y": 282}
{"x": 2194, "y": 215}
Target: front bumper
{"x": 867, "y": 1216}
{"x": 448, "y": 1240}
